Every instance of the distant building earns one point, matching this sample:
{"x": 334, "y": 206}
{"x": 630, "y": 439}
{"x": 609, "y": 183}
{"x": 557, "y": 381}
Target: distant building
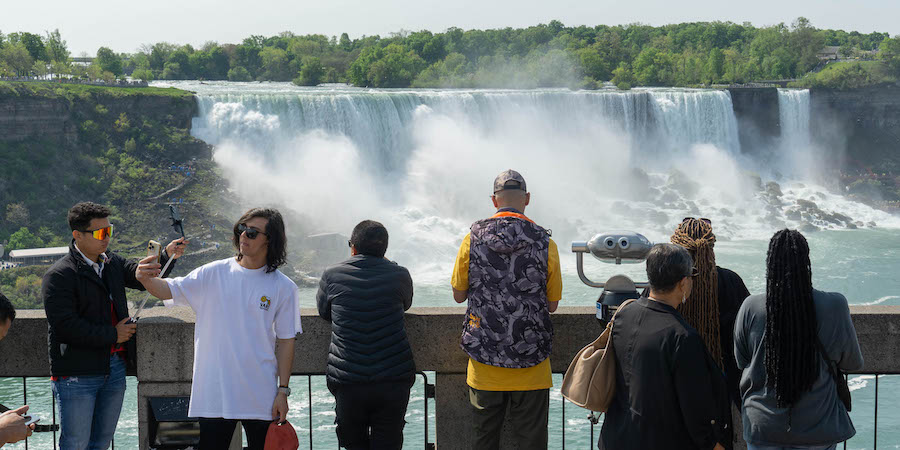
{"x": 829, "y": 53}
{"x": 35, "y": 256}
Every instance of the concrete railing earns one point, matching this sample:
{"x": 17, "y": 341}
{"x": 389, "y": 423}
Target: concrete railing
{"x": 166, "y": 351}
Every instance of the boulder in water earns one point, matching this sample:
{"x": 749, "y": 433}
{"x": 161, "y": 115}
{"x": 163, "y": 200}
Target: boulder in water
{"x": 681, "y": 183}
{"x": 807, "y": 205}
{"x": 773, "y": 189}
{"x": 809, "y": 228}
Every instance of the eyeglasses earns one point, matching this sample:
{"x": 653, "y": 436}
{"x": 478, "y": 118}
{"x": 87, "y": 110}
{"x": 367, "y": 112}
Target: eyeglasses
{"x": 251, "y": 232}
{"x": 694, "y": 272}
{"x": 349, "y": 243}
{"x": 101, "y": 233}
{"x": 702, "y": 219}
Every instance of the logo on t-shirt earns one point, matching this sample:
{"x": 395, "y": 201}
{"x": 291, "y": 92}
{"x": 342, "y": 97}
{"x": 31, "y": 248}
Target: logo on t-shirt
{"x": 264, "y": 303}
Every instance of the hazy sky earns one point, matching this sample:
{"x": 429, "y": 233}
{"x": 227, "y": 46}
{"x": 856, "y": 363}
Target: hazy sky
{"x": 125, "y": 25}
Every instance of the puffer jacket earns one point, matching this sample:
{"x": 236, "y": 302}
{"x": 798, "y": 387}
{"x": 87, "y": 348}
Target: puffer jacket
{"x": 365, "y": 298}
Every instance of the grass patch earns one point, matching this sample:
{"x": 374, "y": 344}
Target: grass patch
{"x": 70, "y": 91}
{"x": 848, "y": 75}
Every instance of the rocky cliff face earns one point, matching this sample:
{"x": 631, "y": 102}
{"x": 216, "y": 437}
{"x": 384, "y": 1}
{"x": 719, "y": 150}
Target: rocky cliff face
{"x": 756, "y": 111}
{"x": 861, "y": 127}
{"x": 57, "y": 118}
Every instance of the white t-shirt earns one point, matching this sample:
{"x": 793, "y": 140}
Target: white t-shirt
{"x": 240, "y": 312}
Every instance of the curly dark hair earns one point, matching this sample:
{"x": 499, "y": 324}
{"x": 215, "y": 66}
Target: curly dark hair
{"x": 792, "y": 360}
{"x": 81, "y": 214}
{"x": 276, "y": 254}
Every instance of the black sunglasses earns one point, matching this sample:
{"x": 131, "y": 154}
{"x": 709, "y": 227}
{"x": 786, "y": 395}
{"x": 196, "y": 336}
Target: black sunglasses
{"x": 694, "y": 272}
{"x": 702, "y": 219}
{"x": 251, "y": 232}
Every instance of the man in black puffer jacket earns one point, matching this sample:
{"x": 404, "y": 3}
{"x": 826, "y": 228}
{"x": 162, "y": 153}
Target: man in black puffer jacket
{"x": 370, "y": 364}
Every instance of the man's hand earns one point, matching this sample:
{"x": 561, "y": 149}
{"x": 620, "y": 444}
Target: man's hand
{"x": 175, "y": 249}
{"x": 147, "y": 269}
{"x": 280, "y": 407}
{"x": 12, "y": 426}
{"x": 124, "y": 331}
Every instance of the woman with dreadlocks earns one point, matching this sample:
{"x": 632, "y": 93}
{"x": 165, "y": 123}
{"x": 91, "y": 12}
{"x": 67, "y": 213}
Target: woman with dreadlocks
{"x": 715, "y": 299}
{"x": 789, "y": 397}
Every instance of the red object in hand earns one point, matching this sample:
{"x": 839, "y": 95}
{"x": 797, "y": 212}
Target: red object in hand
{"x": 281, "y": 436}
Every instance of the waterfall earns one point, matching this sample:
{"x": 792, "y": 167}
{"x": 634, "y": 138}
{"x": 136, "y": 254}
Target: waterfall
{"x": 797, "y": 154}
{"x": 422, "y": 161}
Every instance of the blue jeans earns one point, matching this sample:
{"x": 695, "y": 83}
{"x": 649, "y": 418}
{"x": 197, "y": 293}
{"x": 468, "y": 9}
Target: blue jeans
{"x": 765, "y": 447}
{"x": 89, "y": 407}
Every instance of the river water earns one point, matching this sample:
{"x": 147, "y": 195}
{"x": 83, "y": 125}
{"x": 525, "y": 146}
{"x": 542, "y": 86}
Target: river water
{"x": 421, "y": 162}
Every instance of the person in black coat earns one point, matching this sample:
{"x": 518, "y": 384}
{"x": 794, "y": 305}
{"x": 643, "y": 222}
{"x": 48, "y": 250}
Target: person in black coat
{"x": 370, "y": 363}
{"x": 715, "y": 299}
{"x": 669, "y": 392}
{"x": 89, "y": 338}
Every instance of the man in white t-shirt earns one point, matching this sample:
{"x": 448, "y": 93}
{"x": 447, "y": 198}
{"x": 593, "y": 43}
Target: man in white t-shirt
{"x": 248, "y": 316}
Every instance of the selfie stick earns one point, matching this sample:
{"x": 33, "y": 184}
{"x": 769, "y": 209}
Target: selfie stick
{"x": 178, "y": 225}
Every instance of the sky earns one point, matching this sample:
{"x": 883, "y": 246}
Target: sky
{"x": 123, "y": 26}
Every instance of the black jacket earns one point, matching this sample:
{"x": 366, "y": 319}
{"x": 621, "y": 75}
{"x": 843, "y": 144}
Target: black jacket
{"x": 669, "y": 393}
{"x": 365, "y": 297}
{"x": 76, "y": 300}
{"x": 732, "y": 293}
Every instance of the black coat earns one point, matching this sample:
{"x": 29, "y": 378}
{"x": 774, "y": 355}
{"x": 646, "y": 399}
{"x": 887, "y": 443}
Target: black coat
{"x": 76, "y": 301}
{"x": 669, "y": 393}
{"x": 365, "y": 298}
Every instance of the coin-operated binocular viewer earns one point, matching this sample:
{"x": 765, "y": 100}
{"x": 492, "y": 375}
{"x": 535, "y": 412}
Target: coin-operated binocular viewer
{"x": 616, "y": 247}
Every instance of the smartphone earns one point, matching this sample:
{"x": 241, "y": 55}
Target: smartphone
{"x": 154, "y": 249}
{"x": 31, "y": 419}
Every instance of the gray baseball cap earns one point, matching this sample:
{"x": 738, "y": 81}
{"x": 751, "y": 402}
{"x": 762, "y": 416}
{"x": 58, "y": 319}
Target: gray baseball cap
{"x": 509, "y": 179}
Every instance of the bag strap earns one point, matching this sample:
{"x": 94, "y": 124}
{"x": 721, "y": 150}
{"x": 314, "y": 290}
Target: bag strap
{"x": 832, "y": 365}
{"x": 610, "y": 324}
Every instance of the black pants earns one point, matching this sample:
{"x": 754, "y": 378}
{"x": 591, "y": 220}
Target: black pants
{"x": 370, "y": 416}
{"x": 216, "y": 434}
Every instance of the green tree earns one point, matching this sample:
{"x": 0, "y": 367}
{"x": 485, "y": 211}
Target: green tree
{"x": 239, "y": 74}
{"x": 57, "y": 49}
{"x": 275, "y": 64}
{"x": 32, "y": 42}
{"x": 24, "y": 239}
{"x": 889, "y": 53}
{"x": 715, "y": 65}
{"x": 142, "y": 74}
{"x": 17, "y": 214}
{"x": 17, "y": 58}
{"x": 311, "y": 73}
{"x": 39, "y": 69}
{"x": 109, "y": 61}
{"x": 345, "y": 44}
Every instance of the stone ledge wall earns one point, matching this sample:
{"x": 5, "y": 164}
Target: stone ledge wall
{"x": 165, "y": 352}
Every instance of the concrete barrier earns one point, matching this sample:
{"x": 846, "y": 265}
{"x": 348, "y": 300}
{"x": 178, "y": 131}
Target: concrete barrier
{"x": 166, "y": 350}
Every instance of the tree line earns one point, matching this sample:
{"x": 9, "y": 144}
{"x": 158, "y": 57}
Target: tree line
{"x": 545, "y": 55}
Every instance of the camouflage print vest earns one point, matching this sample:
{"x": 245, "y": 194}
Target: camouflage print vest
{"x": 507, "y": 322}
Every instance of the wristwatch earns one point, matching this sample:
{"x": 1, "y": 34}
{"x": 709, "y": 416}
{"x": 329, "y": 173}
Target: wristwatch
{"x": 284, "y": 390}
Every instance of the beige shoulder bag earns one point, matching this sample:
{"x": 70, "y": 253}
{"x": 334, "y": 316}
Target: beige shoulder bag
{"x": 590, "y": 381}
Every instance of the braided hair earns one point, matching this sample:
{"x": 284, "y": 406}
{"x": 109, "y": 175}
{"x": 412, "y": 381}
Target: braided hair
{"x": 791, "y": 359}
{"x": 701, "y": 310}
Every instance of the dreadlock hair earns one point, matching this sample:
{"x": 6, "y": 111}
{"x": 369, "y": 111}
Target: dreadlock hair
{"x": 792, "y": 361}
{"x": 701, "y": 310}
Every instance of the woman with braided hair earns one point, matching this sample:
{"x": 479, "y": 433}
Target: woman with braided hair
{"x": 790, "y": 400}
{"x": 715, "y": 299}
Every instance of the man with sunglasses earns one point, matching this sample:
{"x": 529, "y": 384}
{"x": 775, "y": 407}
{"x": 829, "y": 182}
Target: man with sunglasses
{"x": 248, "y": 316}
{"x": 90, "y": 343}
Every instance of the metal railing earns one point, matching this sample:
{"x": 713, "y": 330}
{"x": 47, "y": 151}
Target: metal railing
{"x": 594, "y": 418}
{"x": 429, "y": 394}
{"x": 428, "y": 390}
